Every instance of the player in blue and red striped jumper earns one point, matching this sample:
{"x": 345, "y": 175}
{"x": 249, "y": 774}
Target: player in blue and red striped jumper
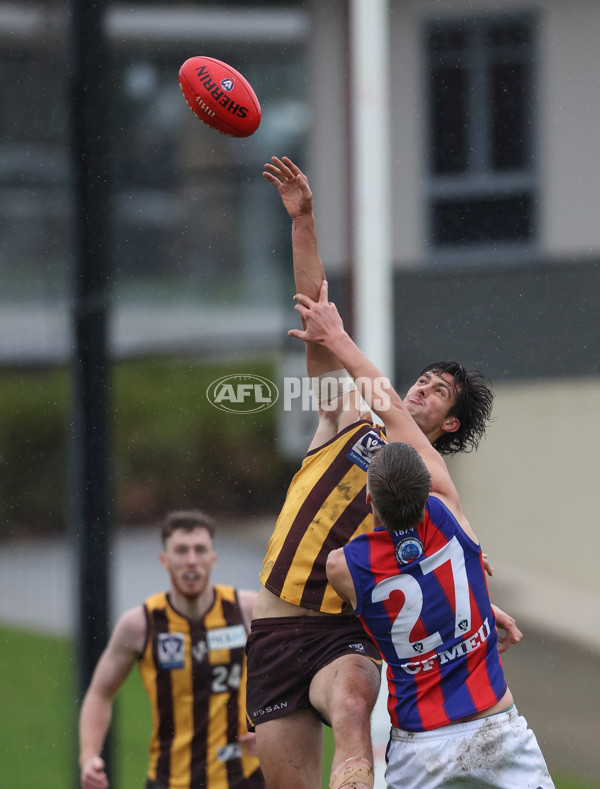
{"x": 418, "y": 584}
{"x": 422, "y": 595}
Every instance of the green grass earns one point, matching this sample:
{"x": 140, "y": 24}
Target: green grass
{"x": 38, "y": 737}
{"x": 38, "y": 720}
{"x": 566, "y": 782}
{"x": 169, "y": 447}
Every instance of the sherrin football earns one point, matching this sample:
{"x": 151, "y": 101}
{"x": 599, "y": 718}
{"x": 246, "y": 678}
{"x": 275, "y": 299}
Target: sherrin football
{"x": 220, "y": 96}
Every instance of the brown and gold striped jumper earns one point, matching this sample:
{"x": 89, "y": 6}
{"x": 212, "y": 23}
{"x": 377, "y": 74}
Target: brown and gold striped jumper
{"x": 195, "y": 675}
{"x": 325, "y": 507}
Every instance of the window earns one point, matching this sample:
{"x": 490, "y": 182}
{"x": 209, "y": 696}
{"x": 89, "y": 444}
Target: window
{"x": 190, "y": 209}
{"x": 481, "y": 136}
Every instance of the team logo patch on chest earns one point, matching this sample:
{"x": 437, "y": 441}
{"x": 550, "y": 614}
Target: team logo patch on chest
{"x": 364, "y": 449}
{"x": 409, "y": 549}
{"x": 171, "y": 650}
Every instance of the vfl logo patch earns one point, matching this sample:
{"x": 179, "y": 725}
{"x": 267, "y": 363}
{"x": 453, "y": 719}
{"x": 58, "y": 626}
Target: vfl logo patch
{"x": 363, "y": 451}
{"x": 171, "y": 651}
{"x": 357, "y": 647}
{"x": 226, "y": 637}
{"x": 227, "y": 84}
{"x": 199, "y": 651}
{"x": 408, "y": 550}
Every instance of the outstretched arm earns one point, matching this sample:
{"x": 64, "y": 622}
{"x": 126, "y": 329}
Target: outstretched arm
{"x": 296, "y": 196}
{"x": 324, "y": 325}
{"x": 96, "y": 710}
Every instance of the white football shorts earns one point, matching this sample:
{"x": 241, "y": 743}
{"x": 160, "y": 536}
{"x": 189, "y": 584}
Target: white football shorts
{"x": 499, "y": 751}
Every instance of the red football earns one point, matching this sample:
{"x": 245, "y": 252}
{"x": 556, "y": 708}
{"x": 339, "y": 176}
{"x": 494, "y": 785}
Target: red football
{"x": 220, "y": 96}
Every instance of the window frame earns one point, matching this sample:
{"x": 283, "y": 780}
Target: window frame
{"x": 479, "y": 180}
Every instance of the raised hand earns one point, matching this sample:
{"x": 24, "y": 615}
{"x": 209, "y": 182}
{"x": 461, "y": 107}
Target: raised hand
{"x": 291, "y": 184}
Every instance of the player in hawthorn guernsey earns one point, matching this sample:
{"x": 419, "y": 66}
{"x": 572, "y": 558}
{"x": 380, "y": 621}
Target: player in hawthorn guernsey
{"x": 309, "y": 658}
{"x": 189, "y": 645}
{"x": 418, "y": 584}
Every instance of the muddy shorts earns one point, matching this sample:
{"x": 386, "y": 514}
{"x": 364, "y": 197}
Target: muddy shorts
{"x": 499, "y": 751}
{"x": 285, "y": 653}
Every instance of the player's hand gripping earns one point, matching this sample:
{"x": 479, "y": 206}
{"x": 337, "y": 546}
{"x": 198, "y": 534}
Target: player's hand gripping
{"x": 505, "y": 622}
{"x": 291, "y": 184}
{"x": 320, "y": 318}
{"x": 93, "y": 775}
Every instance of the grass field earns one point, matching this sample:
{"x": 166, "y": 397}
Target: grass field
{"x": 38, "y": 720}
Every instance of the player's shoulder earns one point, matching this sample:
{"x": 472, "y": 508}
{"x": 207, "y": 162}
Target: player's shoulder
{"x": 247, "y": 598}
{"x": 156, "y": 600}
{"x": 247, "y": 594}
{"x": 364, "y": 542}
{"x": 449, "y": 518}
{"x": 435, "y": 504}
{"x": 132, "y": 616}
{"x": 131, "y": 627}
{"x": 225, "y": 591}
{"x": 439, "y": 509}
{"x": 334, "y": 441}
{"x": 233, "y": 593}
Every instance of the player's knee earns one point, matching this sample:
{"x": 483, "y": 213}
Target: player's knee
{"x": 352, "y": 711}
{"x": 359, "y": 706}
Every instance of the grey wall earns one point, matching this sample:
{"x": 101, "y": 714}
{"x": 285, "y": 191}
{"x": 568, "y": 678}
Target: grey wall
{"x": 512, "y": 323}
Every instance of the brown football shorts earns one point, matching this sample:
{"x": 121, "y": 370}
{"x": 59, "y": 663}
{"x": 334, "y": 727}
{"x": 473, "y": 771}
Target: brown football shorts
{"x": 285, "y": 653}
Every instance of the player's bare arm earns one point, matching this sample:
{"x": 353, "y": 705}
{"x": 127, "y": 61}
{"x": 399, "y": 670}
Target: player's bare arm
{"x": 506, "y": 623}
{"x": 247, "y": 598}
{"x": 339, "y": 576}
{"x": 324, "y": 326}
{"x": 294, "y": 190}
{"x": 117, "y": 660}
{"x": 296, "y": 196}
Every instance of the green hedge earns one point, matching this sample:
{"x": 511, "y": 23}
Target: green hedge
{"x": 170, "y": 447}
{"x": 33, "y": 429}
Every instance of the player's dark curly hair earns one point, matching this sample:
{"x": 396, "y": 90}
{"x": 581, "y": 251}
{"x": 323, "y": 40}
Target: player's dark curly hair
{"x": 399, "y": 483}
{"x": 473, "y": 407}
{"x": 187, "y": 520}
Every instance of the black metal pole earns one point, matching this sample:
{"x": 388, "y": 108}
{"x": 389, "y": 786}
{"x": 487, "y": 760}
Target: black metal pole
{"x": 88, "y": 473}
